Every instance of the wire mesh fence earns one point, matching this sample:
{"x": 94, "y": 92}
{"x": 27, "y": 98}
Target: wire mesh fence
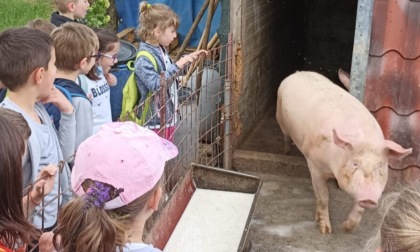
{"x": 190, "y": 109}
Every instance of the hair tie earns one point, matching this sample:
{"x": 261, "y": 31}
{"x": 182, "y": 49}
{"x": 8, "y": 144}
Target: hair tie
{"x": 98, "y": 195}
{"x": 149, "y": 5}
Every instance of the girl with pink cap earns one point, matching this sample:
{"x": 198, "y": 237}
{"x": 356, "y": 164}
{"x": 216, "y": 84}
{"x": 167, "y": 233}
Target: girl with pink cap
{"x": 117, "y": 174}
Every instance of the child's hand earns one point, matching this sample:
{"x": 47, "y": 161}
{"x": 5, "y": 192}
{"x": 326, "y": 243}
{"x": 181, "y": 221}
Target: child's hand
{"x": 46, "y": 179}
{"x": 58, "y": 99}
{"x": 46, "y": 242}
{"x": 199, "y": 53}
{"x": 111, "y": 79}
{"x": 190, "y": 58}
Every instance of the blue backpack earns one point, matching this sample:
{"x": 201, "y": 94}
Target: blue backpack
{"x": 70, "y": 89}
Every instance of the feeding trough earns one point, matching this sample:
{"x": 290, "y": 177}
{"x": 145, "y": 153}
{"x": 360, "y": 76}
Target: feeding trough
{"x": 210, "y": 209}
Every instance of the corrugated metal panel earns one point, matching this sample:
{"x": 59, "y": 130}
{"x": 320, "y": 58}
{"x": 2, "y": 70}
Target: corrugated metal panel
{"x": 393, "y": 80}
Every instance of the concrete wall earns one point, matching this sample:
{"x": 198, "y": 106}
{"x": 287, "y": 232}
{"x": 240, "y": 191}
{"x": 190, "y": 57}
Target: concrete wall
{"x": 264, "y": 53}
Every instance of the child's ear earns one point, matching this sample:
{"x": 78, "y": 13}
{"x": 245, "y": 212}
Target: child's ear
{"x": 83, "y": 63}
{"x": 153, "y": 202}
{"x": 38, "y": 75}
{"x": 70, "y": 7}
{"x": 156, "y": 31}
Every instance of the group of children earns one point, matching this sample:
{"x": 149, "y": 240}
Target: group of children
{"x": 112, "y": 185}
{"x": 55, "y": 83}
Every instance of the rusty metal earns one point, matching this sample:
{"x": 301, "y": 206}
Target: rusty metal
{"x": 204, "y": 177}
{"x": 162, "y": 101}
{"x": 392, "y": 91}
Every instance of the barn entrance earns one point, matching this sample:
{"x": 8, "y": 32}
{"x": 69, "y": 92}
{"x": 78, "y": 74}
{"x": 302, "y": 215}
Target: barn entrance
{"x": 276, "y": 38}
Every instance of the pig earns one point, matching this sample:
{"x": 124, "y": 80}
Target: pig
{"x": 339, "y": 139}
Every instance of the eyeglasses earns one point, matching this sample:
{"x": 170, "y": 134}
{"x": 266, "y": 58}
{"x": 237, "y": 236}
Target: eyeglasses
{"x": 96, "y": 56}
{"x": 113, "y": 57}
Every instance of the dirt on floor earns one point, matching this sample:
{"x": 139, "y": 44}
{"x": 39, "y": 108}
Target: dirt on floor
{"x": 284, "y": 219}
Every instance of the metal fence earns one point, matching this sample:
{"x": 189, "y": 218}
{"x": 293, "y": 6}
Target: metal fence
{"x": 201, "y": 121}
{"x": 200, "y": 124}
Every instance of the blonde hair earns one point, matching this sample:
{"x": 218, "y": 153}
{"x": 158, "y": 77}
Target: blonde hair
{"x": 85, "y": 228}
{"x": 73, "y": 42}
{"x": 62, "y": 5}
{"x": 42, "y": 25}
{"x": 400, "y": 226}
{"x": 155, "y": 15}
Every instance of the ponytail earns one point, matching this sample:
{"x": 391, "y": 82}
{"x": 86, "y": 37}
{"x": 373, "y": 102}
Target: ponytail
{"x": 155, "y": 15}
{"x": 86, "y": 229}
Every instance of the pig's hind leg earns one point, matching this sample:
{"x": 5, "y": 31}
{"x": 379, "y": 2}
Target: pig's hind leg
{"x": 287, "y": 144}
{"x": 320, "y": 184}
{"x": 353, "y": 219}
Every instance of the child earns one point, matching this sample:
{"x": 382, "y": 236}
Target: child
{"x": 69, "y": 11}
{"x": 157, "y": 29}
{"x": 99, "y": 78}
{"x": 15, "y": 230}
{"x": 119, "y": 192}
{"x": 41, "y": 24}
{"x": 76, "y": 48}
{"x": 400, "y": 226}
{"x": 30, "y": 82}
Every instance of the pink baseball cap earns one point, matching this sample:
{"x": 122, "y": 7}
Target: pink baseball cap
{"x": 124, "y": 155}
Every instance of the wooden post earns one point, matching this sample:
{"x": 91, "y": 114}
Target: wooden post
{"x": 192, "y": 29}
{"x": 212, "y": 10}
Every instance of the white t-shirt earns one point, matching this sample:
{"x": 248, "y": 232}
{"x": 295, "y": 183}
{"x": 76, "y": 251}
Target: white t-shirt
{"x": 99, "y": 94}
{"x": 140, "y": 247}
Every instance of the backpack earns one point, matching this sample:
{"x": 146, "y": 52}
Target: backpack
{"x": 3, "y": 94}
{"x": 69, "y": 90}
{"x": 131, "y": 94}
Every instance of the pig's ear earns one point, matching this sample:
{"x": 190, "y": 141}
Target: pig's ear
{"x": 341, "y": 141}
{"x": 344, "y": 78}
{"x": 396, "y": 150}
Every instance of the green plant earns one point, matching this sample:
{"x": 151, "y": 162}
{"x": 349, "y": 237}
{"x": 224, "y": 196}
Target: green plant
{"x": 97, "y": 15}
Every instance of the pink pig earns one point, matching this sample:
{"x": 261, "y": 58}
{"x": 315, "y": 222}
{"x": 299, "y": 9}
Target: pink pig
{"x": 339, "y": 138}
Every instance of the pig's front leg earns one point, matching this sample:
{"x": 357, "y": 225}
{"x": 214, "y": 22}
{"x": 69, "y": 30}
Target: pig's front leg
{"x": 322, "y": 215}
{"x": 354, "y": 218}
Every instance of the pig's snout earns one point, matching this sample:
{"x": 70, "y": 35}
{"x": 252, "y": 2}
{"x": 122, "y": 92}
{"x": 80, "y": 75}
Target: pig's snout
{"x": 368, "y": 203}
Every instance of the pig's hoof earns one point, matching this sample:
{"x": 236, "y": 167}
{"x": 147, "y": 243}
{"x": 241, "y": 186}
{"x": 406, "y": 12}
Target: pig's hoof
{"x": 325, "y": 228}
{"x": 348, "y": 226}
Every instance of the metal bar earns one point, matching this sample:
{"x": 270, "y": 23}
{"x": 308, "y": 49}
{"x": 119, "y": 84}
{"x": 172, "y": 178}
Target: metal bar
{"x": 226, "y": 146}
{"x": 162, "y": 104}
{"x": 361, "y": 48}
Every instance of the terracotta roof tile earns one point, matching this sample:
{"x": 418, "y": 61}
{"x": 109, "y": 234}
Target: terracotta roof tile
{"x": 393, "y": 80}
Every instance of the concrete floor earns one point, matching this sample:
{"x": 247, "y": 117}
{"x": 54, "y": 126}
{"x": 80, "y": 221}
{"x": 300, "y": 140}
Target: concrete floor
{"x": 284, "y": 217}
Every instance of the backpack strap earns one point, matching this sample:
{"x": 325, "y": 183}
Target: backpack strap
{"x": 81, "y": 80}
{"x": 64, "y": 91}
{"x": 148, "y": 55}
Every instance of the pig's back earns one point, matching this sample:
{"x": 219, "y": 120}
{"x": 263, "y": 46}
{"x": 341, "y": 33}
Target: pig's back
{"x": 309, "y": 102}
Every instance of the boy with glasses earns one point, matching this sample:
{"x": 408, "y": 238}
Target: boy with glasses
{"x": 76, "y": 48}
